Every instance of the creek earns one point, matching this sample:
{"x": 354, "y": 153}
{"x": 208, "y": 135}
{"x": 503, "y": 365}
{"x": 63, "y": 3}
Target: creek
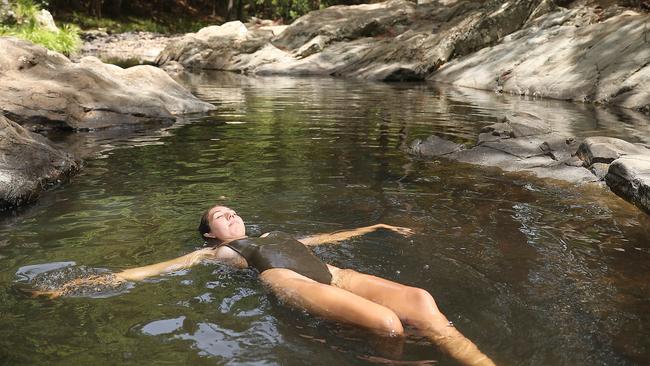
{"x": 535, "y": 272}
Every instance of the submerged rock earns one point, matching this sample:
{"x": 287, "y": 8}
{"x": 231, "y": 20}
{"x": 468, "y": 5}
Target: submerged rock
{"x": 521, "y": 142}
{"x": 29, "y": 163}
{"x": 433, "y": 146}
{"x": 525, "y": 143}
{"x": 45, "y": 90}
{"x": 629, "y": 177}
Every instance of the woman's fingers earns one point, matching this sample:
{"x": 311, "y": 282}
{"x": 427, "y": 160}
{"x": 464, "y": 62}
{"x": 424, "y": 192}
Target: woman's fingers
{"x": 404, "y": 231}
{"x": 399, "y": 229}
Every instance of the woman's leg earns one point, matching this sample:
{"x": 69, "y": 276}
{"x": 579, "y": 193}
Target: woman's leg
{"x": 414, "y": 306}
{"x": 331, "y": 302}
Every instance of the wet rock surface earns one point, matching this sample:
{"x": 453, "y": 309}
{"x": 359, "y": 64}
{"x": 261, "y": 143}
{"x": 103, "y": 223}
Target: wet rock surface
{"x": 45, "y": 90}
{"x": 522, "y": 142}
{"x": 529, "y": 47}
{"x": 29, "y": 164}
{"x": 629, "y": 177}
{"x": 526, "y": 143}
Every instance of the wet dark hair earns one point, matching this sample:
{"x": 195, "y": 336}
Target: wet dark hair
{"x": 204, "y": 225}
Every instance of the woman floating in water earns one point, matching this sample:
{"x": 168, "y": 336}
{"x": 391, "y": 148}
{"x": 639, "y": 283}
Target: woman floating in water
{"x": 302, "y": 280}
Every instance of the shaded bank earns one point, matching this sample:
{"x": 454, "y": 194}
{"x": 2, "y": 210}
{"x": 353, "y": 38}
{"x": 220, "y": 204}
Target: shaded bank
{"x": 44, "y": 91}
{"x": 30, "y": 163}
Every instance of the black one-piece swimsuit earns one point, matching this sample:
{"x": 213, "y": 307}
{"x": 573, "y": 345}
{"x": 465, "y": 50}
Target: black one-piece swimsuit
{"x": 281, "y": 250}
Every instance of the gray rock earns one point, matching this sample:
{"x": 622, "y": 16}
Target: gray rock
{"x": 230, "y": 46}
{"x": 599, "y": 170}
{"x": 606, "y": 149}
{"x": 629, "y": 177}
{"x": 314, "y": 46}
{"x": 29, "y": 163}
{"x": 390, "y": 41}
{"x": 129, "y": 48}
{"x": 45, "y": 21}
{"x": 45, "y": 90}
{"x": 565, "y": 54}
{"x": 523, "y": 142}
{"x": 433, "y": 146}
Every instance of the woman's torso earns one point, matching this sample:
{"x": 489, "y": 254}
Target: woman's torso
{"x": 281, "y": 250}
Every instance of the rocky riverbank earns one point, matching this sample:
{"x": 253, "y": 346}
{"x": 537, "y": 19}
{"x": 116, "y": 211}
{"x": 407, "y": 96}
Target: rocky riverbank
{"x": 131, "y": 48}
{"x": 583, "y": 52}
{"x": 44, "y": 91}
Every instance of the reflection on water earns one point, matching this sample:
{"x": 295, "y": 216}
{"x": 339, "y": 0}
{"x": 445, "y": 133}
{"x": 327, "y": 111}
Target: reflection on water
{"x": 536, "y": 273}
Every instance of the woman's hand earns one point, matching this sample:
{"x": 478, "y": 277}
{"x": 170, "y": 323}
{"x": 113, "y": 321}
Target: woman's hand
{"x": 398, "y": 229}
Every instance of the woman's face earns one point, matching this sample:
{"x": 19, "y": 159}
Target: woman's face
{"x": 225, "y": 224}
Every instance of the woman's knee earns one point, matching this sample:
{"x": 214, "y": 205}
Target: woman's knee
{"x": 421, "y": 299}
{"x": 389, "y": 324}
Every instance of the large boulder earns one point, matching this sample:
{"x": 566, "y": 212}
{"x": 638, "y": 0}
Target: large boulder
{"x": 29, "y": 163}
{"x": 45, "y": 90}
{"x": 227, "y": 47}
{"x": 629, "y": 177}
{"x": 575, "y": 54}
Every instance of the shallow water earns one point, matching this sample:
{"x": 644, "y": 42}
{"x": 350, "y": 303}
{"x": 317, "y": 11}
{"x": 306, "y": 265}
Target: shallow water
{"x": 535, "y": 272}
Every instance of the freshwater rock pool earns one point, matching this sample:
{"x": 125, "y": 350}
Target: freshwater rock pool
{"x": 535, "y": 272}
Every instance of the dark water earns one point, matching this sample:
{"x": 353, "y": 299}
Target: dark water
{"x": 536, "y": 273}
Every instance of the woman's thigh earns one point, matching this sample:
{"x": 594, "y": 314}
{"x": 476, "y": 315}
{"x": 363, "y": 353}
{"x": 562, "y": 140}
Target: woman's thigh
{"x": 411, "y": 304}
{"x": 330, "y": 302}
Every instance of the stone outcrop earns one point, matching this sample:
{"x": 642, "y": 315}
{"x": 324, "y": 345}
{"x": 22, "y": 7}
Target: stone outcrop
{"x": 522, "y": 142}
{"x": 45, "y": 90}
{"x": 29, "y": 163}
{"x": 393, "y": 40}
{"x": 564, "y": 56}
{"x": 629, "y": 177}
{"x": 525, "y": 143}
{"x": 530, "y": 47}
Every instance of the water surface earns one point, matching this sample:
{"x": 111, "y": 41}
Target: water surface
{"x": 535, "y": 272}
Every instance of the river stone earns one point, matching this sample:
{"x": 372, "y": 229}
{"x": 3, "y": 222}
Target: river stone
{"x": 45, "y": 21}
{"x": 606, "y": 149}
{"x": 29, "y": 163}
{"x": 629, "y": 177}
{"x": 45, "y": 90}
{"x": 433, "y": 146}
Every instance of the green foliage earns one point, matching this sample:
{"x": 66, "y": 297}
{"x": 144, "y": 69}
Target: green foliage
{"x": 66, "y": 40}
{"x": 132, "y": 24}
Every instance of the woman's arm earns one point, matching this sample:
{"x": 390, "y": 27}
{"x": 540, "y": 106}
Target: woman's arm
{"x": 347, "y": 234}
{"x": 106, "y": 280}
{"x": 221, "y": 254}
